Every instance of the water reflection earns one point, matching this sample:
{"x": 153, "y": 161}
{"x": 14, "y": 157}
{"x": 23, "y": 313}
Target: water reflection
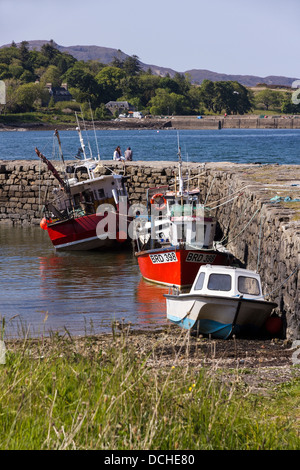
{"x": 50, "y": 291}
{"x": 150, "y": 301}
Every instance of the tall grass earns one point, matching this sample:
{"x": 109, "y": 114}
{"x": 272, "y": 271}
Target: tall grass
{"x": 55, "y": 395}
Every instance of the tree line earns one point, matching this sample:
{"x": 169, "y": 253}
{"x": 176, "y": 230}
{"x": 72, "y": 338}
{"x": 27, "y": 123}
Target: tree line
{"x": 26, "y": 73}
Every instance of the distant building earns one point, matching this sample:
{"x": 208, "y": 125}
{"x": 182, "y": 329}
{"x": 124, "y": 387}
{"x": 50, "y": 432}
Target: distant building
{"x": 59, "y": 93}
{"x": 119, "y": 106}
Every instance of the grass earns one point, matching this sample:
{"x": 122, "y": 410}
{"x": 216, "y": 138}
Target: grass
{"x": 38, "y": 118}
{"x": 54, "y": 395}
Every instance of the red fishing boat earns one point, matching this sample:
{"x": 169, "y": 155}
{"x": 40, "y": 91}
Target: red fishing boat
{"x": 86, "y": 211}
{"x": 176, "y": 237}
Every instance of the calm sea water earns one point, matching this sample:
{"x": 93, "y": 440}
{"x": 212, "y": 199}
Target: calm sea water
{"x": 42, "y": 291}
{"x": 240, "y": 146}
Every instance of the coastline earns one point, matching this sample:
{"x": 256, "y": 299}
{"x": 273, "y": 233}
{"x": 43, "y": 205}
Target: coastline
{"x": 167, "y": 122}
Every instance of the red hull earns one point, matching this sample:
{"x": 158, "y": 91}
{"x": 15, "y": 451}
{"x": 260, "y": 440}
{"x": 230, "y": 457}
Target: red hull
{"x": 171, "y": 266}
{"x": 79, "y": 234}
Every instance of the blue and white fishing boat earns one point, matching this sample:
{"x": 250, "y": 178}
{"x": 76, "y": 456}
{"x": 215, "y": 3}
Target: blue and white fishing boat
{"x": 222, "y": 301}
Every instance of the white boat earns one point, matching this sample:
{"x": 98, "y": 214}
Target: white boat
{"x": 223, "y": 301}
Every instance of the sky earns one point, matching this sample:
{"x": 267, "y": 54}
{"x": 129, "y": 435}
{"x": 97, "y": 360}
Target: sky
{"x": 244, "y": 37}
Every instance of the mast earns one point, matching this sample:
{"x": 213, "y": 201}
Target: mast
{"x": 63, "y": 160}
{"x": 87, "y": 160}
{"x": 59, "y": 145}
{"x": 51, "y": 168}
{"x": 80, "y": 137}
{"x": 181, "y": 188}
{"x": 98, "y": 153}
{"x": 180, "y": 173}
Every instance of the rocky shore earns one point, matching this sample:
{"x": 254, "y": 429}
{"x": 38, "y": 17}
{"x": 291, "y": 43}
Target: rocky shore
{"x": 172, "y": 122}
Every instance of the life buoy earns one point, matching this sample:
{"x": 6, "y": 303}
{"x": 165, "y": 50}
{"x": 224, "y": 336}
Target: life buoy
{"x": 43, "y": 223}
{"x": 156, "y": 196}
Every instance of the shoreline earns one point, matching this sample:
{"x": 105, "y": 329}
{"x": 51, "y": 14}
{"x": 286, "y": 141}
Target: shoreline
{"x": 265, "y": 361}
{"x": 174, "y": 122}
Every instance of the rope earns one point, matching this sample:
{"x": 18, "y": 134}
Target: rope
{"x": 259, "y": 242}
{"x": 237, "y": 191}
{"x": 284, "y": 282}
{"x": 209, "y": 190}
{"x": 226, "y": 202}
{"x": 244, "y": 227}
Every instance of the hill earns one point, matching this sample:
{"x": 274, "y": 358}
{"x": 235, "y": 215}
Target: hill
{"x": 106, "y": 55}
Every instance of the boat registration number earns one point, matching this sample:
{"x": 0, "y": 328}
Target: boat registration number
{"x": 164, "y": 258}
{"x": 200, "y": 257}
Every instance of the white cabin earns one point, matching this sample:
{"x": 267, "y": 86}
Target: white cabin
{"x": 227, "y": 281}
{"x": 179, "y": 219}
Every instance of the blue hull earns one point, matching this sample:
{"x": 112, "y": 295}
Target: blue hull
{"x": 204, "y": 327}
{"x": 214, "y": 329}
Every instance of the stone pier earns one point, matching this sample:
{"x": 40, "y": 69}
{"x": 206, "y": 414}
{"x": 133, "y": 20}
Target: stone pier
{"x": 257, "y": 207}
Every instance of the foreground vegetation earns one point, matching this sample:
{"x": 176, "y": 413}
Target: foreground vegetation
{"x": 54, "y": 395}
{"x": 28, "y": 74}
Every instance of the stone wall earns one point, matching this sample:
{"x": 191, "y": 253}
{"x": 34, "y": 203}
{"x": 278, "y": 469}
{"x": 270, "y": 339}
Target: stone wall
{"x": 234, "y": 122}
{"x": 260, "y": 233}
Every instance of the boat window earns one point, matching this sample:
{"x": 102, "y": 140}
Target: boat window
{"x": 248, "y": 285}
{"x": 101, "y": 193}
{"x": 200, "y": 281}
{"x": 219, "y": 282}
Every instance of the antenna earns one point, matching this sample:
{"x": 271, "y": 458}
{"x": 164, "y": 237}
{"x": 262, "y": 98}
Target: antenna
{"x": 180, "y": 168}
{"x": 98, "y": 153}
{"x": 87, "y": 136}
{"x": 80, "y": 137}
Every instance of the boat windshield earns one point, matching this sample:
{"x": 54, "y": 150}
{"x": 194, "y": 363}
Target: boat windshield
{"x": 200, "y": 281}
{"x": 248, "y": 285}
{"x": 221, "y": 282}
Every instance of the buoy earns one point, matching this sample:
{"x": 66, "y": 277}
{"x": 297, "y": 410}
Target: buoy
{"x": 43, "y": 223}
{"x": 158, "y": 196}
{"x": 273, "y": 325}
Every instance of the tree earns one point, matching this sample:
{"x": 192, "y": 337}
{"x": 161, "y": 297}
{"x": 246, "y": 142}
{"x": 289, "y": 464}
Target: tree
{"x": 170, "y": 84}
{"x": 147, "y": 85}
{"x": 4, "y": 71}
{"x": 49, "y": 51}
{"x": 78, "y": 77}
{"x": 24, "y": 53}
{"x": 51, "y": 75}
{"x": 131, "y": 65}
{"x": 231, "y": 97}
{"x": 26, "y": 95}
{"x": 101, "y": 112}
{"x": 167, "y": 103}
{"x": 264, "y": 98}
{"x": 15, "y": 68}
{"x": 109, "y": 81}
{"x": 195, "y": 100}
{"x": 207, "y": 91}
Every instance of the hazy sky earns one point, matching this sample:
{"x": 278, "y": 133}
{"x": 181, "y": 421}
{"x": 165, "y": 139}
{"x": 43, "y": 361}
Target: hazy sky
{"x": 248, "y": 37}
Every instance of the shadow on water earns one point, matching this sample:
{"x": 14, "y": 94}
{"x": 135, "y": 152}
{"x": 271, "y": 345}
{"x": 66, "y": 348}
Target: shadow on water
{"x": 44, "y": 291}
